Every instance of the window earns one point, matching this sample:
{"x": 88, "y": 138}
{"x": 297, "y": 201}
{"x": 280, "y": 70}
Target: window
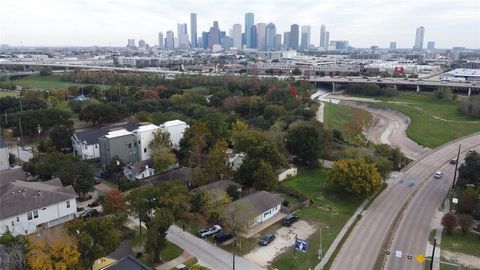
{"x": 44, "y": 208}
{"x": 144, "y": 150}
{"x": 29, "y": 216}
{"x": 13, "y": 223}
{"x": 68, "y": 204}
{"x": 6, "y": 228}
{"x": 96, "y": 145}
{"x": 86, "y": 146}
{"x": 267, "y": 213}
{"x": 18, "y": 219}
{"x": 129, "y": 145}
{"x": 35, "y": 214}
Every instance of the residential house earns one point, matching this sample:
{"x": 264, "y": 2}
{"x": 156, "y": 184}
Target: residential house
{"x": 139, "y": 170}
{"x": 176, "y": 129}
{"x": 122, "y": 251}
{"x": 182, "y": 174}
{"x": 4, "y": 163}
{"x": 283, "y": 173}
{"x": 221, "y": 185}
{"x": 144, "y": 135}
{"x": 119, "y": 143}
{"x": 85, "y": 142}
{"x": 235, "y": 160}
{"x": 28, "y": 206}
{"x": 126, "y": 263}
{"x": 12, "y": 174}
{"x": 255, "y": 208}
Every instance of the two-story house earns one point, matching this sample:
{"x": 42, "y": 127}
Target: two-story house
{"x": 119, "y": 143}
{"x": 26, "y": 207}
{"x": 176, "y": 129}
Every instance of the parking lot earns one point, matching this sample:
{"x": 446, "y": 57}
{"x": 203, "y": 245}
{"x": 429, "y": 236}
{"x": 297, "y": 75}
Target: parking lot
{"x": 285, "y": 237}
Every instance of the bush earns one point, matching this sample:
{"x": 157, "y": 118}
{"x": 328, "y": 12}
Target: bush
{"x": 471, "y": 107}
{"x": 125, "y": 184}
{"x": 370, "y": 90}
{"x": 443, "y": 93}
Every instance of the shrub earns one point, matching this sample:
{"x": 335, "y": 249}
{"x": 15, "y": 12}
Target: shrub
{"x": 443, "y": 93}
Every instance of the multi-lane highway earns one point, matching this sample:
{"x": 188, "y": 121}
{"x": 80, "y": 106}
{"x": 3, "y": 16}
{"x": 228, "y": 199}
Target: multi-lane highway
{"x": 414, "y": 193}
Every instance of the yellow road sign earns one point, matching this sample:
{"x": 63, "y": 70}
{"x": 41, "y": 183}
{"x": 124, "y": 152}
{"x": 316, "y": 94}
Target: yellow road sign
{"x": 420, "y": 258}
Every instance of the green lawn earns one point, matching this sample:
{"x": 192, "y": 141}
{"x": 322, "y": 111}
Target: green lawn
{"x": 4, "y": 93}
{"x": 434, "y": 121}
{"x": 170, "y": 252}
{"x": 327, "y": 210}
{"x": 47, "y": 82}
{"x": 348, "y": 120}
{"x": 468, "y": 243}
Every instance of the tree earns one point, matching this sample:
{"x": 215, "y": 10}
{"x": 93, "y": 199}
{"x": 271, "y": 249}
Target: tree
{"x": 233, "y": 192}
{"x": 466, "y": 203}
{"x": 471, "y": 106}
{"x": 354, "y": 176}
{"x": 96, "y": 237}
{"x": 443, "y": 93}
{"x": 114, "y": 203}
{"x": 157, "y": 232}
{"x": 163, "y": 158}
{"x": 53, "y": 249}
{"x": 296, "y": 71}
{"x": 305, "y": 140}
{"x": 99, "y": 113}
{"x": 214, "y": 167}
{"x": 142, "y": 202}
{"x": 469, "y": 171}
{"x": 210, "y": 203}
{"x": 61, "y": 137}
{"x": 12, "y": 159}
{"x": 172, "y": 196}
{"x": 449, "y": 222}
{"x": 465, "y": 222}
{"x": 15, "y": 248}
{"x": 264, "y": 177}
{"x": 195, "y": 142}
{"x": 160, "y": 139}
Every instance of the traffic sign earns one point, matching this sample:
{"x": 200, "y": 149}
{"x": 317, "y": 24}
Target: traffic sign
{"x": 301, "y": 245}
{"x": 455, "y": 200}
{"x": 420, "y": 258}
{"x": 398, "y": 253}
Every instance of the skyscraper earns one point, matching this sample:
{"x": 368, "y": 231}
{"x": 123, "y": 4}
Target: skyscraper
{"x": 278, "y": 42}
{"x": 141, "y": 43}
{"x": 261, "y": 33}
{"x": 214, "y": 35}
{"x": 131, "y": 43}
{"x": 431, "y": 45}
{"x": 419, "y": 36}
{"x": 160, "y": 40}
{"x": 286, "y": 40}
{"x": 393, "y": 45}
{"x": 182, "y": 35}
{"x": 249, "y": 22}
{"x": 204, "y": 40}
{"x": 170, "y": 40}
{"x": 237, "y": 36}
{"x": 253, "y": 36}
{"x": 294, "y": 33}
{"x": 193, "y": 29}
{"x": 271, "y": 36}
{"x": 327, "y": 40}
{"x": 323, "y": 33}
{"x": 305, "y": 37}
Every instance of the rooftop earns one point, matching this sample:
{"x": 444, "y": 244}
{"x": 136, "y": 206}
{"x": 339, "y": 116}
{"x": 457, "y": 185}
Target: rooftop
{"x": 173, "y": 123}
{"x": 254, "y": 204}
{"x": 464, "y": 72}
{"x": 91, "y": 135}
{"x": 117, "y": 133}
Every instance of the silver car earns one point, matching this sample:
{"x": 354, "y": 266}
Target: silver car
{"x": 438, "y": 174}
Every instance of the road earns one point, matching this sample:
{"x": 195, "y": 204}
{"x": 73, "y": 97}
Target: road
{"x": 414, "y": 229}
{"x": 364, "y": 244}
{"x": 213, "y": 256}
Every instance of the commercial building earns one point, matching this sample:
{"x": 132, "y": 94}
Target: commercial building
{"x": 393, "y": 45}
{"x": 462, "y": 75}
{"x": 170, "y": 40}
{"x": 431, "y": 45}
{"x": 255, "y": 208}
{"x": 160, "y": 40}
{"x": 286, "y": 40}
{"x": 323, "y": 43}
{"x": 131, "y": 43}
{"x": 419, "y": 37}
{"x": 182, "y": 36}
{"x": 253, "y": 37}
{"x": 237, "y": 36}
{"x": 271, "y": 35}
{"x": 261, "y": 36}
{"x": 214, "y": 35}
{"x": 294, "y": 34}
{"x": 249, "y": 22}
{"x": 305, "y": 37}
{"x": 193, "y": 29}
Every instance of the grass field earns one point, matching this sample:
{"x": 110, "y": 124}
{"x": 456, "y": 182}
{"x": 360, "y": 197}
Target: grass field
{"x": 434, "y": 121}
{"x": 327, "y": 210}
{"x": 348, "y": 120}
{"x": 468, "y": 243}
{"x": 4, "y": 93}
{"x": 47, "y": 82}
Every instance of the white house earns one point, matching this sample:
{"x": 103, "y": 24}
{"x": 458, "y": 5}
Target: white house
{"x": 285, "y": 173}
{"x": 176, "y": 129}
{"x": 138, "y": 170}
{"x": 256, "y": 208}
{"x": 4, "y": 163}
{"x": 235, "y": 160}
{"x": 144, "y": 135}
{"x": 28, "y": 206}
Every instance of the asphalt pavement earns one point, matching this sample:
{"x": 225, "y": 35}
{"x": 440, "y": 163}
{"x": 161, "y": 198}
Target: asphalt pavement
{"x": 363, "y": 246}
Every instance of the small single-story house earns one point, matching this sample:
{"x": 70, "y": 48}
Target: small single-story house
{"x": 221, "y": 185}
{"x": 285, "y": 173}
{"x": 28, "y": 206}
{"x": 182, "y": 174}
{"x": 125, "y": 263}
{"x": 122, "y": 251}
{"x": 255, "y": 208}
{"x": 235, "y": 160}
{"x": 139, "y": 170}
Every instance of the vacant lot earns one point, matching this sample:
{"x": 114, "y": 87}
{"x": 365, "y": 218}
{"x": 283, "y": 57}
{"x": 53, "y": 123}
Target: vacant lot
{"x": 348, "y": 120}
{"x": 46, "y": 82}
{"x": 328, "y": 210}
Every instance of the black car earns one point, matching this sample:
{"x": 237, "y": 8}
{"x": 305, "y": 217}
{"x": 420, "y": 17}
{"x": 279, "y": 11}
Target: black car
{"x": 266, "y": 239}
{"x": 289, "y": 219}
{"x": 453, "y": 161}
{"x": 222, "y": 236}
{"x": 89, "y": 213}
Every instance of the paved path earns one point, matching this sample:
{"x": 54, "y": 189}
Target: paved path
{"x": 214, "y": 257}
{"x": 173, "y": 263}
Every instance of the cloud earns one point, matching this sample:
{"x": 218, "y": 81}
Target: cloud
{"x": 363, "y": 23}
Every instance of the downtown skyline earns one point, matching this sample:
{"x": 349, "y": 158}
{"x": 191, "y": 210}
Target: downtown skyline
{"x": 111, "y": 23}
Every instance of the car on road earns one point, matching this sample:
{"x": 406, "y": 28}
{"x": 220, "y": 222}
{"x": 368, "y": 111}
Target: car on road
{"x": 266, "y": 239}
{"x": 209, "y": 231}
{"x": 438, "y": 174}
{"x": 289, "y": 219}
{"x": 90, "y": 213}
{"x": 470, "y": 151}
{"x": 222, "y": 236}
{"x": 453, "y": 161}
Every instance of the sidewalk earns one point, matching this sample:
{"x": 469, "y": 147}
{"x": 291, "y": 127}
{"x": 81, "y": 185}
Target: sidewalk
{"x": 179, "y": 260}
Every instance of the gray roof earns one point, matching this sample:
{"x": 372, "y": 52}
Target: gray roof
{"x": 219, "y": 185}
{"x": 181, "y": 174}
{"x": 10, "y": 175}
{"x": 254, "y": 204}
{"x": 122, "y": 251}
{"x": 19, "y": 197}
{"x": 138, "y": 167}
{"x": 127, "y": 263}
{"x": 91, "y": 135}
{"x": 3, "y": 144}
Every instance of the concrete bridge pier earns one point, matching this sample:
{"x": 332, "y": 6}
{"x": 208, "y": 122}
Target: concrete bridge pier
{"x": 469, "y": 91}
{"x": 333, "y": 87}
{"x": 395, "y": 87}
{"x": 418, "y": 88}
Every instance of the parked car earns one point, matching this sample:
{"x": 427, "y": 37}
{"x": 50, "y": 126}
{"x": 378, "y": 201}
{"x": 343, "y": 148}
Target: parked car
{"x": 289, "y": 219}
{"x": 97, "y": 180}
{"x": 89, "y": 213}
{"x": 266, "y": 239}
{"x": 209, "y": 231}
{"x": 453, "y": 161}
{"x": 222, "y": 236}
{"x": 181, "y": 267}
{"x": 438, "y": 174}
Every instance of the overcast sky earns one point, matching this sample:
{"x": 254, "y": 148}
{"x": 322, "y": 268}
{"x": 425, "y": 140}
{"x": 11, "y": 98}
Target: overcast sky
{"x": 362, "y": 22}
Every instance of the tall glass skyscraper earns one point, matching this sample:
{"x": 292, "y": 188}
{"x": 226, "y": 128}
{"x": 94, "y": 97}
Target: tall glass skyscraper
{"x": 323, "y": 30}
{"x": 305, "y": 37}
{"x": 271, "y": 36}
{"x": 193, "y": 29}
{"x": 294, "y": 33}
{"x": 249, "y": 22}
{"x": 419, "y": 37}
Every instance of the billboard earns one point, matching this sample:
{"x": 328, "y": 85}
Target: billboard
{"x": 399, "y": 70}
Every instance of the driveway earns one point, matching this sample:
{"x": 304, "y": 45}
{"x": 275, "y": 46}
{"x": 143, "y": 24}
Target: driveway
{"x": 285, "y": 237}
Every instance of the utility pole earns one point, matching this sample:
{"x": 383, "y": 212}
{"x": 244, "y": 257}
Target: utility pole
{"x": 320, "y": 251}
{"x": 433, "y": 253}
{"x": 456, "y": 166}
